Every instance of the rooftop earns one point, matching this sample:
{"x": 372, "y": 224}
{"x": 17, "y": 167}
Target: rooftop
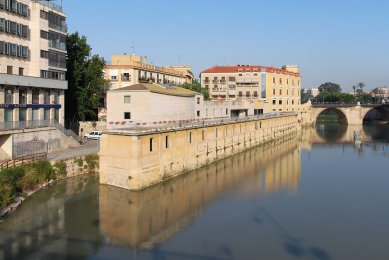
{"x": 248, "y": 68}
{"x": 160, "y": 89}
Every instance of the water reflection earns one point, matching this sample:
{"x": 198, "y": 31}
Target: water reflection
{"x": 148, "y": 218}
{"x": 218, "y": 211}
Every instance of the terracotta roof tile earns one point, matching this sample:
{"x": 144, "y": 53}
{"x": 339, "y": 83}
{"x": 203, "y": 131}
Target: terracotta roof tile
{"x": 160, "y": 89}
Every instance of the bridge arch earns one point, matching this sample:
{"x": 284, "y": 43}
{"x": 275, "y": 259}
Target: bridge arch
{"x": 377, "y": 113}
{"x": 331, "y": 110}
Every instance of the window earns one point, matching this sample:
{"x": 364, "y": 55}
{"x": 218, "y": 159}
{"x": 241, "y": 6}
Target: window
{"x": 9, "y": 69}
{"x": 151, "y": 144}
{"x": 280, "y": 102}
{"x": 280, "y": 92}
{"x": 46, "y": 97}
{"x": 274, "y": 102}
{"x": 247, "y": 93}
{"x": 35, "y": 96}
{"x": 240, "y": 74}
{"x": 44, "y": 35}
{"x": 203, "y": 135}
{"x": 21, "y": 70}
{"x": 44, "y": 54}
{"x": 198, "y": 100}
{"x": 166, "y": 141}
{"x": 22, "y": 96}
{"x": 274, "y": 80}
{"x": 127, "y": 115}
{"x": 2, "y": 24}
{"x": 113, "y": 77}
{"x": 44, "y": 15}
{"x": 231, "y": 78}
{"x": 240, "y": 94}
{"x": 280, "y": 81}
{"x": 255, "y": 93}
{"x": 217, "y": 132}
{"x": 9, "y": 93}
{"x": 226, "y": 111}
{"x": 255, "y": 74}
{"x": 127, "y": 99}
{"x": 190, "y": 137}
{"x": 198, "y": 112}
{"x": 274, "y": 91}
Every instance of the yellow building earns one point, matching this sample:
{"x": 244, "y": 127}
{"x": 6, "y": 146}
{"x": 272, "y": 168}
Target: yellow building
{"x": 127, "y": 70}
{"x": 271, "y": 89}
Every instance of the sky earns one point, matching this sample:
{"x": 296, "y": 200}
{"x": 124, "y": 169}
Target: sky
{"x": 341, "y": 41}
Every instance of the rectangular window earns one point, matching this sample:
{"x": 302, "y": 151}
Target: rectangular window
{"x": 190, "y": 137}
{"x": 44, "y": 15}
{"x": 280, "y": 102}
{"x": 113, "y": 77}
{"x": 9, "y": 69}
{"x": 198, "y": 100}
{"x": 127, "y": 115}
{"x": 127, "y": 99}
{"x": 226, "y": 111}
{"x": 167, "y": 141}
{"x": 198, "y": 113}
{"x": 21, "y": 70}
{"x": 280, "y": 92}
{"x": 126, "y": 76}
{"x": 44, "y": 35}
{"x": 274, "y": 102}
{"x": 203, "y": 135}
{"x": 2, "y": 24}
{"x": 44, "y": 54}
{"x": 151, "y": 144}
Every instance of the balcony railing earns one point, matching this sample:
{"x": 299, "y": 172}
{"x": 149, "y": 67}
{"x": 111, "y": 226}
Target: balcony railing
{"x": 57, "y": 45}
{"x": 206, "y": 81}
{"x": 57, "y": 64}
{"x": 223, "y": 81}
{"x": 58, "y": 27}
{"x": 215, "y": 81}
{"x": 50, "y": 5}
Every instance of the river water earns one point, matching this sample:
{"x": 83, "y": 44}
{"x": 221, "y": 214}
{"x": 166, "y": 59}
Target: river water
{"x": 311, "y": 196}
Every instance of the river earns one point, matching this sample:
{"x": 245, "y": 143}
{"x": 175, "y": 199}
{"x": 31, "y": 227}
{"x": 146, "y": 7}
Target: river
{"x": 315, "y": 195}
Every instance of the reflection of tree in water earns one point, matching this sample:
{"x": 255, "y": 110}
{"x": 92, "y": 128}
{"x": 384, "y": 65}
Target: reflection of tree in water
{"x": 331, "y": 132}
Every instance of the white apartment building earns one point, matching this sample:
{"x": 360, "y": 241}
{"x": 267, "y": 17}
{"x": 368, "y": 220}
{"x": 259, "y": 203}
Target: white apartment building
{"x": 151, "y": 104}
{"x": 32, "y": 63}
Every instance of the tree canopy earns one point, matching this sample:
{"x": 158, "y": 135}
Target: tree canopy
{"x": 85, "y": 80}
{"x": 196, "y": 86}
{"x": 329, "y": 87}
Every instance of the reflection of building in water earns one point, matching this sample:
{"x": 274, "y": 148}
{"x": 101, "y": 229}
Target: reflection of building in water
{"x": 40, "y": 228}
{"x": 283, "y": 173}
{"x": 147, "y": 218}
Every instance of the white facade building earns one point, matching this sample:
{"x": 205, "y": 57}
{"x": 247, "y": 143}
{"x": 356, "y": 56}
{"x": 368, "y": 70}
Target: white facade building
{"x": 147, "y": 104}
{"x": 32, "y": 62}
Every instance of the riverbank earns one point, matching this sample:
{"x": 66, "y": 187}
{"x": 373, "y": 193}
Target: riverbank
{"x": 19, "y": 183}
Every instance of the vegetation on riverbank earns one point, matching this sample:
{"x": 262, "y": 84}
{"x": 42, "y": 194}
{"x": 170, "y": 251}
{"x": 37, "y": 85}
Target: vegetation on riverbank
{"x": 28, "y": 178}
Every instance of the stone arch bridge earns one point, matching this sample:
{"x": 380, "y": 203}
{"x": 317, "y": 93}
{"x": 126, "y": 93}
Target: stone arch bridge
{"x": 353, "y": 114}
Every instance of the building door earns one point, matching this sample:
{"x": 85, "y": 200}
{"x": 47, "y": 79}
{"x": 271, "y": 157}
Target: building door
{"x": 47, "y": 113}
{"x": 8, "y": 115}
{"x": 22, "y": 114}
{"x": 56, "y": 115}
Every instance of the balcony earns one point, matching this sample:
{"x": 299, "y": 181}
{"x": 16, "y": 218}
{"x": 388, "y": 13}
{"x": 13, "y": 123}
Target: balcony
{"x": 215, "y": 90}
{"x": 223, "y": 81}
{"x": 206, "y": 81}
{"x": 57, "y": 45}
{"x": 57, "y": 64}
{"x": 215, "y": 81}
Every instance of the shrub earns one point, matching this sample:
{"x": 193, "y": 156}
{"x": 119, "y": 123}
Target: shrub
{"x": 92, "y": 161}
{"x": 60, "y": 169}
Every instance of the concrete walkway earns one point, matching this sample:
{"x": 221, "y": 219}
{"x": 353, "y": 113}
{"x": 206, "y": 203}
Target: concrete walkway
{"x": 86, "y": 148}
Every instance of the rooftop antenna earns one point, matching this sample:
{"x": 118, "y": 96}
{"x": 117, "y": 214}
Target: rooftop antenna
{"x": 133, "y": 48}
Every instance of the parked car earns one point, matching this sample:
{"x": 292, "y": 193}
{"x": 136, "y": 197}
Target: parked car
{"x": 93, "y": 135}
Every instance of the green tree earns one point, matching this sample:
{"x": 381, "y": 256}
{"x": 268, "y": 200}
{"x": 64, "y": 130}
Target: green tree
{"x": 196, "y": 86}
{"x": 329, "y": 87}
{"x": 85, "y": 80}
{"x": 359, "y": 89}
{"x": 304, "y": 96}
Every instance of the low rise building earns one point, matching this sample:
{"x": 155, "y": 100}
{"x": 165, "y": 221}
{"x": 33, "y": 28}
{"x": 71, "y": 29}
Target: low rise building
{"x": 278, "y": 88}
{"x": 148, "y": 104}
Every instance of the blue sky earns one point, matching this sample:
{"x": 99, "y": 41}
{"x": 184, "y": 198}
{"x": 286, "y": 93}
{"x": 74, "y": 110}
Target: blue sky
{"x": 340, "y": 41}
